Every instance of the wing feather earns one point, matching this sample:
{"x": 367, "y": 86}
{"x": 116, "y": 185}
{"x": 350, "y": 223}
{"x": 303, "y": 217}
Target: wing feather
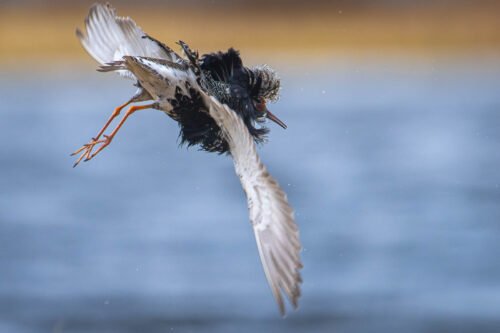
{"x": 270, "y": 214}
{"x": 109, "y": 38}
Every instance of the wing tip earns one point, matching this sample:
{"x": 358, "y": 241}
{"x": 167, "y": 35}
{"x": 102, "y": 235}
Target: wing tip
{"x": 294, "y": 295}
{"x": 293, "y": 299}
{"x": 106, "y": 6}
{"x": 281, "y": 303}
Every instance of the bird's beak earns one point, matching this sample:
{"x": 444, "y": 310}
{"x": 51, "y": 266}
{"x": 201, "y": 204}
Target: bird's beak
{"x": 272, "y": 117}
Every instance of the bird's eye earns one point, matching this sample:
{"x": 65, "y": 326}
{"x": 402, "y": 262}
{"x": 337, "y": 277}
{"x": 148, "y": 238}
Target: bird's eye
{"x": 260, "y": 105}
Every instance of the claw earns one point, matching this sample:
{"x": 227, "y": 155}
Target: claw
{"x": 79, "y": 150}
{"x": 79, "y": 158}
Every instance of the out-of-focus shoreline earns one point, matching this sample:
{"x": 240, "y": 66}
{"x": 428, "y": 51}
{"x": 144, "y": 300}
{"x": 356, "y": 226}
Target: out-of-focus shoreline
{"x": 41, "y": 36}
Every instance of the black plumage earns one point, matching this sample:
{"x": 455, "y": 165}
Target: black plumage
{"x": 197, "y": 127}
{"x": 222, "y": 75}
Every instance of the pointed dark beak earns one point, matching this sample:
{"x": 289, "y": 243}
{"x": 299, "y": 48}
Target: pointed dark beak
{"x": 272, "y": 117}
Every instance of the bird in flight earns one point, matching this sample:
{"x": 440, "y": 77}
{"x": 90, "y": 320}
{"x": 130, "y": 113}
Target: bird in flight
{"x": 220, "y": 106}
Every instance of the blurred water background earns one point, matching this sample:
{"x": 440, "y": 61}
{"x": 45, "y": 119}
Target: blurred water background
{"x": 390, "y": 160}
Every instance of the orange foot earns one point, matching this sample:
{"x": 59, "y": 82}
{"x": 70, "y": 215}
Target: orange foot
{"x": 86, "y": 150}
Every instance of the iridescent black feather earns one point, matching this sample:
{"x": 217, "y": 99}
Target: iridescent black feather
{"x": 197, "y": 127}
{"x": 224, "y": 77}
{"x": 240, "y": 95}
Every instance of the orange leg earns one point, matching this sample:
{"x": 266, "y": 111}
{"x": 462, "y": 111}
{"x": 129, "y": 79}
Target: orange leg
{"x": 95, "y": 140}
{"x": 87, "y": 148}
{"x": 115, "y": 114}
{"x": 109, "y": 138}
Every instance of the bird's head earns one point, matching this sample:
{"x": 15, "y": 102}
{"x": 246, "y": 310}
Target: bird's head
{"x": 261, "y": 107}
{"x": 265, "y": 87}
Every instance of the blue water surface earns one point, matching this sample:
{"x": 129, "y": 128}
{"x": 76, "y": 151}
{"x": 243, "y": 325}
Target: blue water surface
{"x": 392, "y": 166}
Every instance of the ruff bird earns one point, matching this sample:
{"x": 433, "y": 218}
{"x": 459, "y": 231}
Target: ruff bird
{"x": 220, "y": 106}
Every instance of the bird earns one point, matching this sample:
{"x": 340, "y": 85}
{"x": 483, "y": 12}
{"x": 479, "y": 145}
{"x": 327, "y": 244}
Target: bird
{"x": 220, "y": 106}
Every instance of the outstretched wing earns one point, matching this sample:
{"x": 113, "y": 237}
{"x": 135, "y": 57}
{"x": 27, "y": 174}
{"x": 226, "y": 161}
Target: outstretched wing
{"x": 109, "y": 37}
{"x": 270, "y": 214}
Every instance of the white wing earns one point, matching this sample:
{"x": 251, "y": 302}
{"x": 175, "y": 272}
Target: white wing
{"x": 271, "y": 217}
{"x": 109, "y": 37}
